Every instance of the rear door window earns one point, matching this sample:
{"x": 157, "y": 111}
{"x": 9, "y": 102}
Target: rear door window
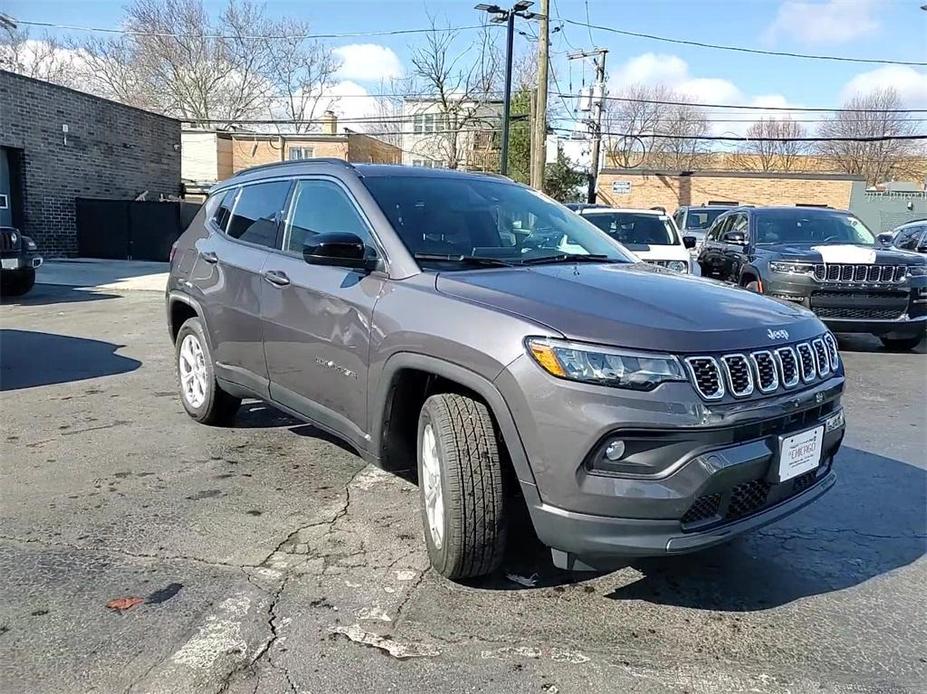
{"x": 257, "y": 211}
{"x": 222, "y": 209}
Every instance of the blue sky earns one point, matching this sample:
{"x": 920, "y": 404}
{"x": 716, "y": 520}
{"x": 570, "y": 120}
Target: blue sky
{"x": 894, "y": 29}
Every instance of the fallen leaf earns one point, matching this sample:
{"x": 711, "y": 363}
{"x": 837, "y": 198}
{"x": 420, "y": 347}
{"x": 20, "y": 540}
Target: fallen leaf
{"x": 121, "y": 604}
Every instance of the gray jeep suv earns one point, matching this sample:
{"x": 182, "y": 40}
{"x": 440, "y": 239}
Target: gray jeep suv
{"x": 510, "y": 353}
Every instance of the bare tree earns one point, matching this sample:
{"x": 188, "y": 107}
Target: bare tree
{"x": 45, "y": 58}
{"x": 459, "y": 85}
{"x": 302, "y": 72}
{"x": 387, "y": 120}
{"x": 765, "y": 153}
{"x": 631, "y": 122}
{"x": 865, "y": 117}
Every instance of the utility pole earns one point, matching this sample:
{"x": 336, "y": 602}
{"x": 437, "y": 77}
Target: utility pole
{"x": 539, "y": 141}
{"x": 598, "y": 105}
{"x": 507, "y": 17}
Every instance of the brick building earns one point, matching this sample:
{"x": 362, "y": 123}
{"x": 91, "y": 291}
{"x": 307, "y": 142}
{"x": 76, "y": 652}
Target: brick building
{"x": 210, "y": 155}
{"x": 670, "y": 189}
{"x": 58, "y": 144}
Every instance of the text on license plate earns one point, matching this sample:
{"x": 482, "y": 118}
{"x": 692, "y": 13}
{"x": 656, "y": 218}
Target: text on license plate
{"x": 800, "y": 453}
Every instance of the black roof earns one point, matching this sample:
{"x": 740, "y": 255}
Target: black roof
{"x": 805, "y": 209}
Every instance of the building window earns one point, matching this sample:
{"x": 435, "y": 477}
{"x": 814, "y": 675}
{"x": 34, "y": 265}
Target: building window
{"x": 418, "y": 122}
{"x": 301, "y": 153}
{"x": 426, "y": 163}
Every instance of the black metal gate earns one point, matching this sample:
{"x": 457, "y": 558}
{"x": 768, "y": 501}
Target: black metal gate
{"x": 130, "y": 229}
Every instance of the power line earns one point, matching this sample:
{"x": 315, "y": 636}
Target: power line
{"x": 808, "y": 109}
{"x": 158, "y": 34}
{"x": 732, "y": 138}
{"x": 741, "y": 49}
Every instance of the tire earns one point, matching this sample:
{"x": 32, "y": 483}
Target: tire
{"x": 18, "y": 282}
{"x": 203, "y": 398}
{"x": 473, "y": 523}
{"x": 753, "y": 286}
{"x": 903, "y": 344}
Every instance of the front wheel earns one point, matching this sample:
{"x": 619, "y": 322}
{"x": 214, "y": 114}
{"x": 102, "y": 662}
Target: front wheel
{"x": 18, "y": 282}
{"x": 200, "y": 393}
{"x": 903, "y": 344}
{"x": 461, "y": 487}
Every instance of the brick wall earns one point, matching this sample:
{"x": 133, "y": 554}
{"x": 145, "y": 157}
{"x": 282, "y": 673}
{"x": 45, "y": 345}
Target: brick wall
{"x": 669, "y": 190}
{"x": 364, "y": 149}
{"x": 250, "y": 150}
{"x": 110, "y": 151}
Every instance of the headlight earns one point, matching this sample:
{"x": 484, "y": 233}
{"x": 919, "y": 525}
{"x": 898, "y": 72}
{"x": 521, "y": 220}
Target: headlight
{"x": 792, "y": 268}
{"x": 917, "y": 270}
{"x": 30, "y": 244}
{"x": 604, "y": 365}
{"x": 678, "y": 266}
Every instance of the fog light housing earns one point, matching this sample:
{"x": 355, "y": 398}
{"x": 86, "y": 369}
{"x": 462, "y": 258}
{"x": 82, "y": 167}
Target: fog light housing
{"x": 614, "y": 451}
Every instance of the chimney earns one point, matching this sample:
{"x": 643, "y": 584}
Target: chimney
{"x": 329, "y": 123}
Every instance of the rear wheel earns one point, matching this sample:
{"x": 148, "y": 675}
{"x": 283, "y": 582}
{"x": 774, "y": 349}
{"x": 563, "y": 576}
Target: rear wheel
{"x": 460, "y": 483}
{"x": 753, "y": 286}
{"x": 200, "y": 393}
{"x": 18, "y": 282}
{"x": 902, "y": 344}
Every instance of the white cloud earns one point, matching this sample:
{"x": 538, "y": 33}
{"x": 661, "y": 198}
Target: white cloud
{"x": 828, "y": 22}
{"x": 910, "y": 84}
{"x": 650, "y": 68}
{"x": 368, "y": 62}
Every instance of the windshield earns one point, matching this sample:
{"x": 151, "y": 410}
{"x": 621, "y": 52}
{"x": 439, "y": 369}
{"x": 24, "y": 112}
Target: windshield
{"x": 811, "y": 227}
{"x": 702, "y": 219}
{"x": 636, "y": 228}
{"x": 485, "y": 218}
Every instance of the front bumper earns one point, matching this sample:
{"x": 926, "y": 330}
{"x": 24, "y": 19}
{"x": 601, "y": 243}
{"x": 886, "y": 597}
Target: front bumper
{"x": 20, "y": 261}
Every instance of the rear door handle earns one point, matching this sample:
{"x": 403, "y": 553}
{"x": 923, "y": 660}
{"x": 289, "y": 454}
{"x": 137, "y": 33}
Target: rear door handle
{"x": 209, "y": 257}
{"x": 276, "y": 278}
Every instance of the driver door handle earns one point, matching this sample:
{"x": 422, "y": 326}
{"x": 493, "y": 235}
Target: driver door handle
{"x": 276, "y": 278}
{"x": 209, "y": 257}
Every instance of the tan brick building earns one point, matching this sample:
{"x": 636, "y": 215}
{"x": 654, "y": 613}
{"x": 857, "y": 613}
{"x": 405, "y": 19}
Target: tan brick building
{"x": 670, "y": 189}
{"x": 209, "y": 156}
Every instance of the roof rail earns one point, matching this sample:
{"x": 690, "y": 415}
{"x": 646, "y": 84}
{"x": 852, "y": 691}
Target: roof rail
{"x": 292, "y": 162}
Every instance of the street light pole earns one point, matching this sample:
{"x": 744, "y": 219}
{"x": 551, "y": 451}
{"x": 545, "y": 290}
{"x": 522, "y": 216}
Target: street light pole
{"x": 500, "y": 15}
{"x": 507, "y": 93}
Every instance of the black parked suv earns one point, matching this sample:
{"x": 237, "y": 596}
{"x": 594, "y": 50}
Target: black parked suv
{"x": 511, "y": 353}
{"x": 19, "y": 258}
{"x": 825, "y": 260}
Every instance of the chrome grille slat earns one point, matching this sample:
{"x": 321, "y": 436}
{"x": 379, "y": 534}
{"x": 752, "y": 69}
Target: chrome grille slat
{"x": 739, "y": 375}
{"x": 806, "y": 361}
{"x": 859, "y": 274}
{"x": 832, "y": 352}
{"x": 707, "y": 377}
{"x": 788, "y": 366}
{"x": 821, "y": 359}
{"x": 767, "y": 376}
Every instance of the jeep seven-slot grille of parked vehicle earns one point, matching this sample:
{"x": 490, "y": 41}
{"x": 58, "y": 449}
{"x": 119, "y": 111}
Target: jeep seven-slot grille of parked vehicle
{"x": 6, "y": 240}
{"x": 742, "y": 374}
{"x": 739, "y": 375}
{"x": 870, "y": 274}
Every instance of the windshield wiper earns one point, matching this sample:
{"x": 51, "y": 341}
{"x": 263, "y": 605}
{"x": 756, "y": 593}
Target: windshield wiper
{"x": 463, "y": 259}
{"x": 568, "y": 258}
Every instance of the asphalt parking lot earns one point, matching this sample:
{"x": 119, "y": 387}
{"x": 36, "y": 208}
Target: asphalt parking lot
{"x": 270, "y": 559}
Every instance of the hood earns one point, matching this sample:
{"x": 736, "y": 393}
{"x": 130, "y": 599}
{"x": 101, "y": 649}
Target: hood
{"x": 839, "y": 253}
{"x": 634, "y": 305}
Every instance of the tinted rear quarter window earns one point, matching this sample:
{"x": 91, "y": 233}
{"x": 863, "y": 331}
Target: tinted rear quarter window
{"x": 257, "y": 211}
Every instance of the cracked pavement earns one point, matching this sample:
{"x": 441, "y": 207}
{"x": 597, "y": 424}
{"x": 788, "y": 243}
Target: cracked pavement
{"x": 269, "y": 558}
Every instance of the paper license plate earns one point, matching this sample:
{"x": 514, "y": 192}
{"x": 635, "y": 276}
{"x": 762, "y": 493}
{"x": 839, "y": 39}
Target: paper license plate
{"x": 800, "y": 453}
{"x": 9, "y": 263}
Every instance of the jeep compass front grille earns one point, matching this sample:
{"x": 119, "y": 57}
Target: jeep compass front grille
{"x": 740, "y": 375}
{"x": 870, "y": 274}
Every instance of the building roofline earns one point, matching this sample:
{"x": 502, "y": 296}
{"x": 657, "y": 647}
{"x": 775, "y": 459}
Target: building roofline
{"x": 802, "y": 175}
{"x": 88, "y": 94}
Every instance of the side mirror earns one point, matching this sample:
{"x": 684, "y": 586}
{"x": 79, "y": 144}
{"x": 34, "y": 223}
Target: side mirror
{"x": 885, "y": 238}
{"x": 735, "y": 238}
{"x": 688, "y": 242}
{"x": 338, "y": 249}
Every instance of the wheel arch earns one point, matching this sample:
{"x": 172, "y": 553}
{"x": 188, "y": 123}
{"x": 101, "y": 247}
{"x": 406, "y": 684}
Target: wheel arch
{"x": 406, "y": 380}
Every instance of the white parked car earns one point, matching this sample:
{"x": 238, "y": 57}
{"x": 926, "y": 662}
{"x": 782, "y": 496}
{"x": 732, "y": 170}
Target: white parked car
{"x": 650, "y": 234}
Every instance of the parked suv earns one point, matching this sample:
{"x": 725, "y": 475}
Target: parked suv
{"x": 508, "y": 351}
{"x": 695, "y": 220}
{"x": 911, "y": 236}
{"x": 19, "y": 258}
{"x": 650, "y": 234}
{"x": 826, "y": 260}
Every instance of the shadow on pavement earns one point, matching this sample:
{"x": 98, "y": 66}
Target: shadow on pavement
{"x": 259, "y": 415}
{"x": 871, "y": 523}
{"x": 29, "y": 359}
{"x": 47, "y": 294}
